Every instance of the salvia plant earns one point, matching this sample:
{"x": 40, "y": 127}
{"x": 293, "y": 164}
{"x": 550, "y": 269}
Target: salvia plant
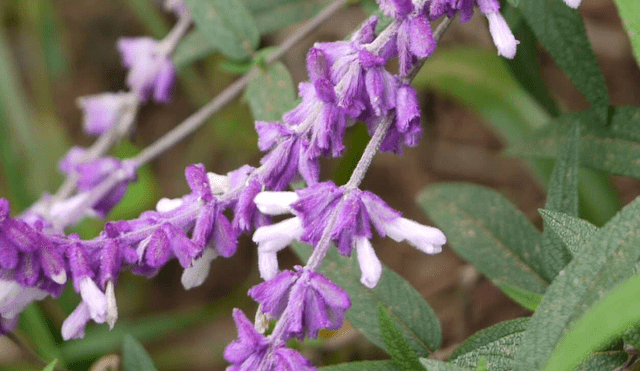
{"x": 579, "y": 280}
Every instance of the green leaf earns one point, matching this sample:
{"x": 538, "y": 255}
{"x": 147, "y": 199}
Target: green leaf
{"x": 283, "y": 13}
{"x": 562, "y": 196}
{"x": 134, "y": 357}
{"x": 271, "y": 94}
{"x": 601, "y": 323}
{"x": 574, "y": 232}
{"x": 494, "y": 346}
{"x": 481, "y": 80}
{"x": 363, "y": 366}
{"x": 35, "y": 325}
{"x": 435, "y": 365}
{"x": 602, "y": 361}
{"x": 614, "y": 149}
{"x": 490, "y": 336}
{"x": 485, "y": 229}
{"x": 525, "y": 66}
{"x": 396, "y": 345}
{"x": 193, "y": 47}
{"x": 51, "y": 366}
{"x": 628, "y": 11}
{"x": 607, "y": 259}
{"x": 527, "y": 299}
{"x": 560, "y": 30}
{"x": 228, "y": 25}
{"x": 413, "y": 316}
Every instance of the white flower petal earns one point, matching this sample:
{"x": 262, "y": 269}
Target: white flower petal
{"x": 166, "y": 204}
{"x": 267, "y": 265}
{"x": 73, "y": 326}
{"x": 219, "y": 184}
{"x": 198, "y": 272}
{"x": 95, "y": 299}
{"x": 277, "y": 236}
{"x": 502, "y": 36}
{"x": 573, "y": 3}
{"x": 426, "y": 239}
{"x": 370, "y": 265}
{"x": 112, "y": 306}
{"x": 275, "y": 203}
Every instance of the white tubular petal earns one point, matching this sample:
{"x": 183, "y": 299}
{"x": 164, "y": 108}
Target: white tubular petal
{"x": 502, "y": 36}
{"x": 275, "y": 203}
{"x": 73, "y": 326}
{"x": 261, "y": 323}
{"x": 426, "y": 239}
{"x": 112, "y": 306}
{"x": 267, "y": 265}
{"x": 60, "y": 278}
{"x": 219, "y": 184}
{"x": 8, "y": 291}
{"x": 95, "y": 299}
{"x": 167, "y": 204}
{"x": 277, "y": 236}
{"x": 573, "y": 3}
{"x": 18, "y": 298}
{"x": 370, "y": 266}
{"x": 198, "y": 272}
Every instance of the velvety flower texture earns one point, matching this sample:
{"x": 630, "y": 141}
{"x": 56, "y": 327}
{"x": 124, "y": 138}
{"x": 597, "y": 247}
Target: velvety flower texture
{"x": 254, "y": 352}
{"x": 151, "y": 71}
{"x": 356, "y": 211}
{"x": 315, "y": 302}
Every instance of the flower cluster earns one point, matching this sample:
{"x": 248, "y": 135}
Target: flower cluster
{"x": 348, "y": 83}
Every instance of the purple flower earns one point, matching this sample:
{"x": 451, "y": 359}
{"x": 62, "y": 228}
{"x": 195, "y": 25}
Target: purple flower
{"x": 179, "y": 7}
{"x": 252, "y": 351}
{"x": 103, "y": 111}
{"x": 315, "y": 302}
{"x": 288, "y": 156}
{"x": 345, "y": 70}
{"x": 355, "y": 211}
{"x": 93, "y": 172}
{"x": 151, "y": 70}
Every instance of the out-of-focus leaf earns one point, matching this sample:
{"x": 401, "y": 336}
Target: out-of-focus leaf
{"x": 435, "y": 365}
{"x": 574, "y": 232}
{"x": 562, "y": 196}
{"x": 193, "y": 47}
{"x": 485, "y": 229}
{"x": 271, "y": 93}
{"x": 525, "y": 65}
{"x": 607, "y": 318}
{"x": 149, "y": 14}
{"x": 27, "y": 131}
{"x": 50, "y": 36}
{"x": 34, "y": 324}
{"x": 614, "y": 149}
{"x": 480, "y": 80}
{"x": 286, "y": 13}
{"x": 51, "y": 366}
{"x": 134, "y": 357}
{"x": 609, "y": 257}
{"x": 13, "y": 172}
{"x": 628, "y": 11}
{"x": 560, "y": 30}
{"x": 363, "y": 366}
{"x": 396, "y": 345}
{"x": 527, "y": 299}
{"x": 227, "y": 24}
{"x": 411, "y": 313}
